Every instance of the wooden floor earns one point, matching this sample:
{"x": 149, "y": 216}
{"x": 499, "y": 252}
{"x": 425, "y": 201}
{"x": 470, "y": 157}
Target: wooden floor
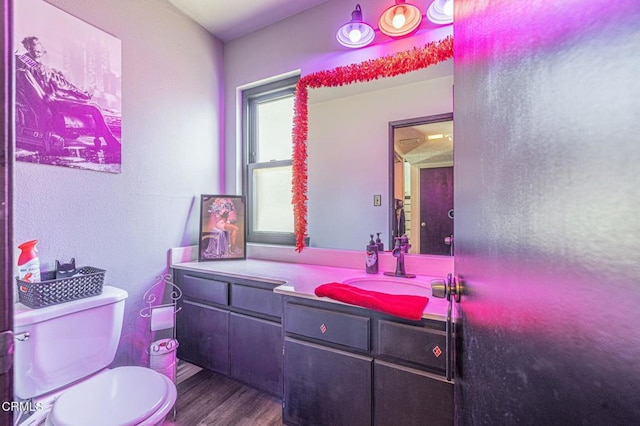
{"x": 208, "y": 398}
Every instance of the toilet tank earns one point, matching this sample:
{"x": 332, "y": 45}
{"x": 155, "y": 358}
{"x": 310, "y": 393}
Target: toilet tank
{"x": 66, "y": 342}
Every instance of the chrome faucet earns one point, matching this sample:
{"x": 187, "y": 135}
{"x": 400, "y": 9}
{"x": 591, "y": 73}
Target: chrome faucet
{"x": 401, "y": 248}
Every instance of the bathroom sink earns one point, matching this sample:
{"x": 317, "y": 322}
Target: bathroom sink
{"x": 391, "y": 285}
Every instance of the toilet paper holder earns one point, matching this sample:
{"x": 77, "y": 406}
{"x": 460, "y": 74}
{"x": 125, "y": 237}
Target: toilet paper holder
{"x": 162, "y": 317}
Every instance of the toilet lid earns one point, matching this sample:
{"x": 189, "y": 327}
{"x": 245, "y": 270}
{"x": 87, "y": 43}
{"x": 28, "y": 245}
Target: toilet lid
{"x": 122, "y": 396}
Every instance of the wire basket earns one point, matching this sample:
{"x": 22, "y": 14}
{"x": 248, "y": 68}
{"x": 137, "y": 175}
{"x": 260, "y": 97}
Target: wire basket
{"x": 51, "y": 291}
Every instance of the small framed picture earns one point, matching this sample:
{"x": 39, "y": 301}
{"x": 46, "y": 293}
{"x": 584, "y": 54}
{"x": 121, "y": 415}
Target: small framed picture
{"x": 222, "y": 227}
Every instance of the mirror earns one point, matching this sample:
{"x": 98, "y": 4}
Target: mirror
{"x": 423, "y": 182}
{"x": 342, "y": 157}
{"x": 350, "y": 162}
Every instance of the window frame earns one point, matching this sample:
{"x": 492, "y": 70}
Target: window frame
{"x": 250, "y": 100}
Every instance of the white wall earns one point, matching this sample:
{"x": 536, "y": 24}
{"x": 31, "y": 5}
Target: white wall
{"x": 348, "y": 147}
{"x": 171, "y": 150}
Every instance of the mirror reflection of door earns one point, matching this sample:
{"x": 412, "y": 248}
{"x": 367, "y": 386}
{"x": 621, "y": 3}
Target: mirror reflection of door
{"x": 423, "y": 182}
{"x": 436, "y": 200}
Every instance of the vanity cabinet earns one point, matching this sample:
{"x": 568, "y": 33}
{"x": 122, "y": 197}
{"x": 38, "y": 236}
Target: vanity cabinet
{"x": 232, "y": 326}
{"x": 332, "y": 363}
{"x": 350, "y": 366}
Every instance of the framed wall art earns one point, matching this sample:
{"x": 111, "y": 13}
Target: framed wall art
{"x": 68, "y": 90}
{"x": 222, "y": 227}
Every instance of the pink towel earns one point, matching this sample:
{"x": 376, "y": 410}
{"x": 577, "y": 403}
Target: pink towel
{"x": 404, "y": 306}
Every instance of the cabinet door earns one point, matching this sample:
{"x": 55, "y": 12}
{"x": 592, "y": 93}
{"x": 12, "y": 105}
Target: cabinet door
{"x": 203, "y": 336}
{"x": 325, "y": 386}
{"x": 404, "y": 396}
{"x": 255, "y": 352}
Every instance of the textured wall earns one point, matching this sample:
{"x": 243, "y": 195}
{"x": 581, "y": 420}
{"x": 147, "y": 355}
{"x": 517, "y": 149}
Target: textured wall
{"x": 547, "y": 201}
{"x": 125, "y": 223}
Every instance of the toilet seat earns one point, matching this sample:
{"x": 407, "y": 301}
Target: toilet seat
{"x": 122, "y": 396}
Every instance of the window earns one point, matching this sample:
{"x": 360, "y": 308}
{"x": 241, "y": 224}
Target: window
{"x": 267, "y": 137}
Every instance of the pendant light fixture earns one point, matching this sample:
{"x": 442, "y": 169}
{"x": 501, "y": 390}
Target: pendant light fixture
{"x": 400, "y": 20}
{"x": 440, "y": 12}
{"x": 355, "y": 33}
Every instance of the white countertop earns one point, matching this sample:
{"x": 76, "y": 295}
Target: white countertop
{"x": 300, "y": 279}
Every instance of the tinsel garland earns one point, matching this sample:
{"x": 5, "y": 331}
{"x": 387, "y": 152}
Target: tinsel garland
{"x": 387, "y": 66}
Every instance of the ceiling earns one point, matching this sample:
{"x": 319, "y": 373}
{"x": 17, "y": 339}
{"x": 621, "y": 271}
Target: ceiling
{"x": 412, "y": 145}
{"x": 229, "y": 20}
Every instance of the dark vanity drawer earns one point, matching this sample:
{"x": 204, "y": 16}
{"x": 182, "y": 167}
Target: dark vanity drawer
{"x": 204, "y": 289}
{"x": 411, "y": 343}
{"x": 260, "y": 300}
{"x": 329, "y": 326}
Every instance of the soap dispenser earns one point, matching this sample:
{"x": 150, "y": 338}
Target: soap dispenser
{"x": 372, "y": 257}
{"x": 379, "y": 243}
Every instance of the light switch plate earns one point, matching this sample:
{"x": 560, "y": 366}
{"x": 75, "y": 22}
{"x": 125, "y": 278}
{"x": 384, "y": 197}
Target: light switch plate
{"x": 377, "y": 200}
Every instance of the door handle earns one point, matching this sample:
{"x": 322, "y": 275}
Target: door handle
{"x": 439, "y": 288}
{"x": 446, "y": 288}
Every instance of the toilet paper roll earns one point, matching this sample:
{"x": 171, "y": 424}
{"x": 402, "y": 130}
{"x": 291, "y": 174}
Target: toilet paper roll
{"x": 162, "y": 354}
{"x": 162, "y": 318}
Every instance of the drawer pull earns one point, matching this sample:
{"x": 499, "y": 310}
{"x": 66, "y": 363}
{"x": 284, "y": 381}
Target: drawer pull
{"x": 323, "y": 328}
{"x": 437, "y": 351}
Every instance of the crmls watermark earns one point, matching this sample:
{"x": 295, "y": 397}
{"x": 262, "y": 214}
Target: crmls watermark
{"x": 21, "y": 406}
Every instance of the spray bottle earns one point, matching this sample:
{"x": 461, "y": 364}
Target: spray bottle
{"x": 28, "y": 262}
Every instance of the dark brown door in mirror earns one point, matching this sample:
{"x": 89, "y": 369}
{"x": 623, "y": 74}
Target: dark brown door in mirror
{"x": 436, "y": 205}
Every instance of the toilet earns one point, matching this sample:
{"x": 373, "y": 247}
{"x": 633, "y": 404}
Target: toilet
{"x": 61, "y": 357}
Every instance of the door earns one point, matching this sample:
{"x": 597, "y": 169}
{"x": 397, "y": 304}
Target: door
{"x": 6, "y": 252}
{"x": 547, "y": 218}
{"x": 436, "y": 210}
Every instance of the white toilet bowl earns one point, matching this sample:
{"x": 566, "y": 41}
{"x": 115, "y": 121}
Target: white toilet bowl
{"x": 124, "y": 396}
